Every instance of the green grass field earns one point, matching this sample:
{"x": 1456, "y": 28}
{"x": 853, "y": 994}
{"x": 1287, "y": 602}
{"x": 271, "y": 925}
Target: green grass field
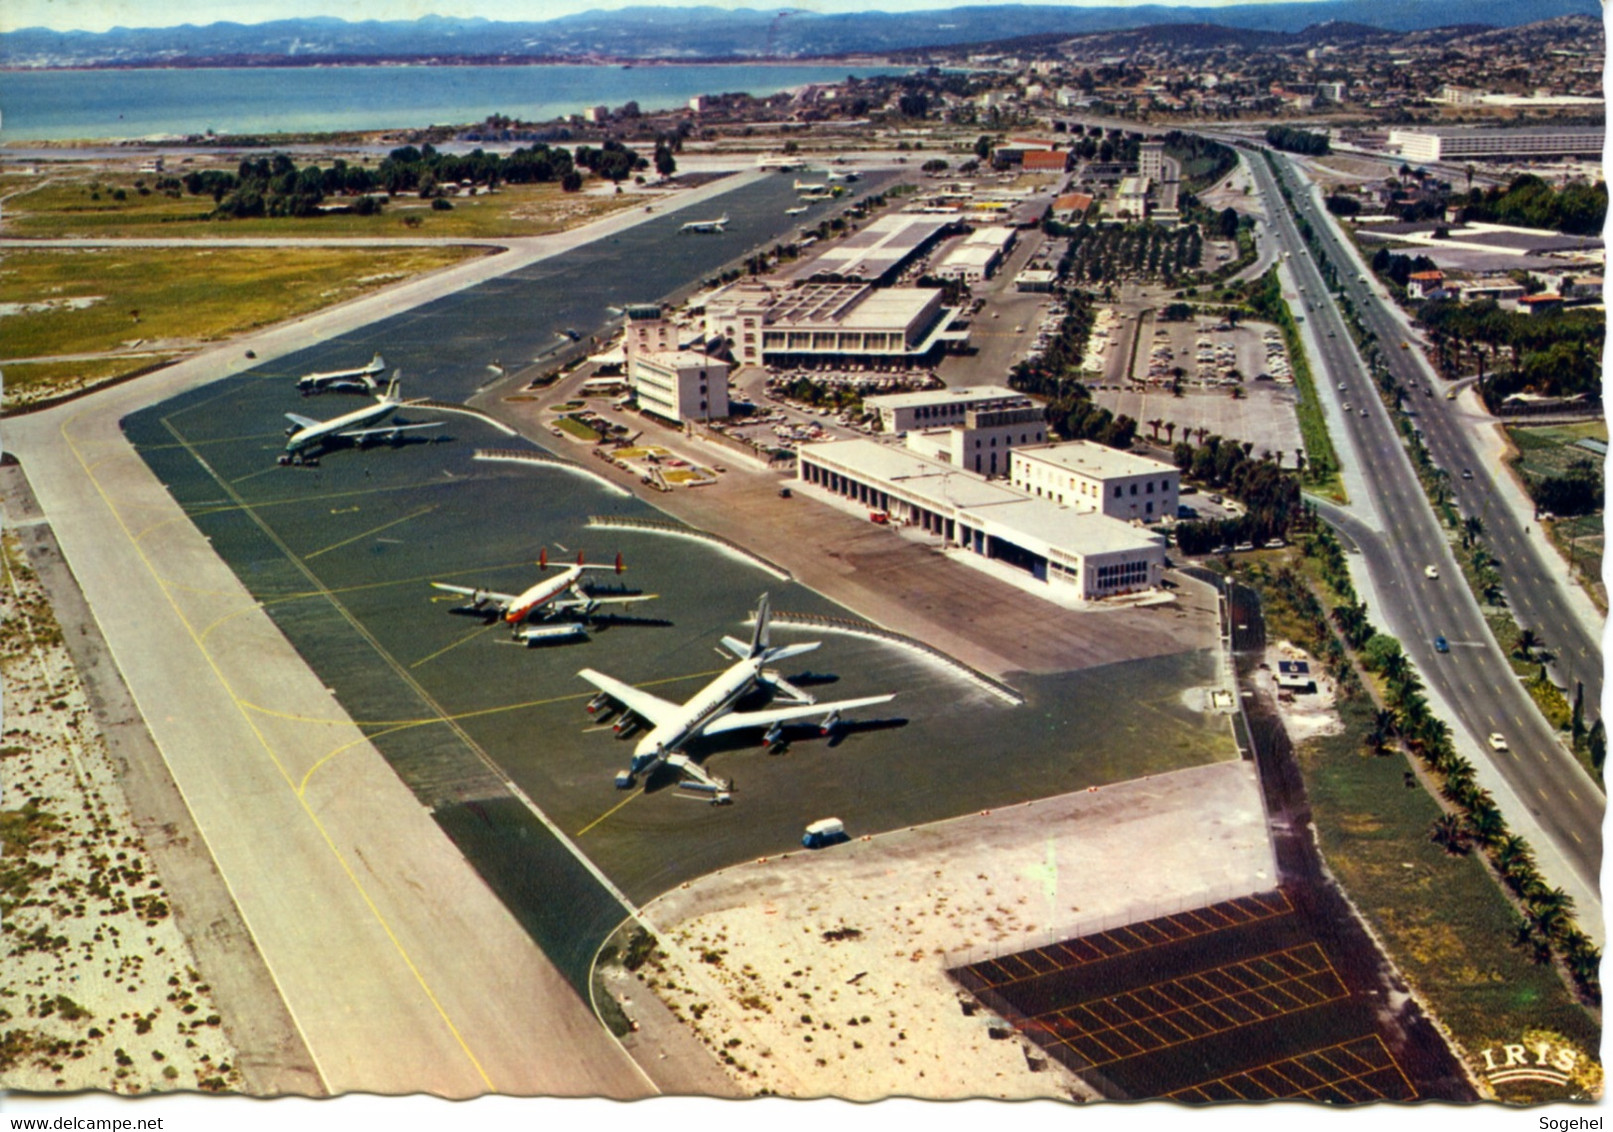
{"x": 81, "y": 204}
{"x": 167, "y": 302}
{"x": 1550, "y": 450}
{"x": 1443, "y": 919}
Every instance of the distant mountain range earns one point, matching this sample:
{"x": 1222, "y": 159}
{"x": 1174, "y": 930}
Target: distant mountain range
{"x": 716, "y": 33}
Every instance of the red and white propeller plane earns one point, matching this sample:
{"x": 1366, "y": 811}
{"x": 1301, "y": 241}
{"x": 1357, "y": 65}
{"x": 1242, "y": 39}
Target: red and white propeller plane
{"x": 554, "y": 597}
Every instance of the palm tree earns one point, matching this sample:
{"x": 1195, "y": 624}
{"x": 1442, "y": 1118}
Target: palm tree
{"x": 1394, "y": 666}
{"x": 1383, "y": 726}
{"x": 1530, "y": 939}
{"x": 1201, "y": 432}
{"x": 1513, "y": 853}
{"x": 1447, "y": 832}
{"x": 1155, "y": 425}
{"x": 1170, "y": 430}
{"x": 1486, "y": 823}
{"x": 1550, "y": 913}
{"x": 1472, "y": 530}
{"x": 1528, "y": 642}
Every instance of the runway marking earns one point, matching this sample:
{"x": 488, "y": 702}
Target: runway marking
{"x": 192, "y": 445}
{"x": 302, "y": 786}
{"x": 472, "y": 635}
{"x": 268, "y": 748}
{"x": 242, "y": 505}
{"x": 254, "y": 475}
{"x": 611, "y": 811}
{"x": 366, "y": 534}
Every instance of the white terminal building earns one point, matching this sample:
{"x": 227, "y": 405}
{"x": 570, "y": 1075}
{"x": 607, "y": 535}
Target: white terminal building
{"x": 940, "y": 408}
{"x": 973, "y": 427}
{"x": 675, "y": 384}
{"x": 1446, "y": 143}
{"x": 836, "y": 324}
{"x": 978, "y": 255}
{"x": 1073, "y": 547}
{"x": 1088, "y": 475}
{"x": 679, "y": 385}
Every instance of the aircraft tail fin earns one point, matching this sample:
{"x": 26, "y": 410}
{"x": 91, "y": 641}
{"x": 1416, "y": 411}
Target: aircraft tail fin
{"x": 394, "y": 392}
{"x": 377, "y": 365}
{"x": 759, "y": 639}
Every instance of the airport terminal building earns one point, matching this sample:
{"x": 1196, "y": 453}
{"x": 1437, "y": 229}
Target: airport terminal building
{"x": 833, "y": 324}
{"x": 1085, "y": 474}
{"x": 1082, "y": 551}
{"x": 678, "y": 385}
{"x": 1448, "y": 143}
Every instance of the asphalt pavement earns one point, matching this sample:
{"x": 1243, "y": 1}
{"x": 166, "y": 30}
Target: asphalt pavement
{"x": 1550, "y": 791}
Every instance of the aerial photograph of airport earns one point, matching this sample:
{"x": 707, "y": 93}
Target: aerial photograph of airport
{"x": 1011, "y": 552}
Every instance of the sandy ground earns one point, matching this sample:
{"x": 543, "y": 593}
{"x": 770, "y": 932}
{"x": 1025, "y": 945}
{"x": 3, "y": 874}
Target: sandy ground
{"x": 824, "y": 973}
{"x": 100, "y": 988}
{"x": 1309, "y": 715}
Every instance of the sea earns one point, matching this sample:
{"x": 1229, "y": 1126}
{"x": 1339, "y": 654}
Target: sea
{"x": 163, "y": 103}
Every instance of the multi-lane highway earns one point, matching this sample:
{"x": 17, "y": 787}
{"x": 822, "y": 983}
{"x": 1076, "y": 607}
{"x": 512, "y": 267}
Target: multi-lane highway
{"x": 1400, "y": 537}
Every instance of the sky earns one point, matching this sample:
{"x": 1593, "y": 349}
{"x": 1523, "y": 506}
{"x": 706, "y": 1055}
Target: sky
{"x": 99, "y": 15}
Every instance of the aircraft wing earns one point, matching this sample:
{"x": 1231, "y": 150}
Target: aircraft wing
{"x": 303, "y": 422}
{"x": 652, "y": 708}
{"x": 590, "y": 602}
{"x": 385, "y": 430}
{"x": 505, "y": 600}
{"x": 735, "y": 720}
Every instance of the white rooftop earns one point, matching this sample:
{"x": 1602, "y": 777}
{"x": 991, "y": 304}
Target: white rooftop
{"x": 1089, "y": 458}
{"x": 892, "y": 307}
{"x": 963, "y": 393}
{"x": 991, "y": 504}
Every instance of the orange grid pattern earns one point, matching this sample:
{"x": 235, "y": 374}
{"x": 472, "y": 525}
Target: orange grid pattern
{"x": 1009, "y": 969}
{"x": 1351, "y": 1072}
{"x": 1184, "y": 1009}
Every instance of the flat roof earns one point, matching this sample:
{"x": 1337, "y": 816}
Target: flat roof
{"x": 991, "y": 505}
{"x": 941, "y": 396}
{"x": 1504, "y": 131}
{"x": 891, "y": 307}
{"x": 873, "y": 250}
{"x": 1090, "y": 458}
{"x": 928, "y": 480}
{"x": 967, "y": 253}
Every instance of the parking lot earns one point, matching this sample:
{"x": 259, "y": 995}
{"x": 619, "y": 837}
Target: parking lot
{"x": 1246, "y": 999}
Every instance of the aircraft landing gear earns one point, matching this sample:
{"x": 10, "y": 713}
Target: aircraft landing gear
{"x": 624, "y": 780}
{"x": 284, "y": 461}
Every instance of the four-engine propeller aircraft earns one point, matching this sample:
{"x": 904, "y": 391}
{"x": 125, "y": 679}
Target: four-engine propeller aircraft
{"x": 711, "y": 710}
{"x": 547, "y": 600}
{"x": 361, "y": 378}
{"x": 718, "y": 225}
{"x": 307, "y": 438}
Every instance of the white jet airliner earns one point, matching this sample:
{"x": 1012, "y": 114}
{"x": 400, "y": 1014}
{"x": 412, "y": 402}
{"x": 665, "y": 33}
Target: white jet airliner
{"x": 306, "y": 437}
{"x": 711, "y": 710}
{"x": 544, "y": 598}
{"x": 362, "y": 378}
{"x": 718, "y": 225}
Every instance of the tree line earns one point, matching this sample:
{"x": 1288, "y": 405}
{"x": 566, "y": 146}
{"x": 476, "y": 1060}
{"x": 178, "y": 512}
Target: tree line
{"x": 275, "y": 186}
{"x": 1555, "y": 355}
{"x": 1530, "y": 202}
{"x": 1297, "y": 141}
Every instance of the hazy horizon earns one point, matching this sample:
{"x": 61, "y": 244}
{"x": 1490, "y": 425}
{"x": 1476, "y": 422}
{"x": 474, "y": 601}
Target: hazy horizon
{"x": 104, "y": 15}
